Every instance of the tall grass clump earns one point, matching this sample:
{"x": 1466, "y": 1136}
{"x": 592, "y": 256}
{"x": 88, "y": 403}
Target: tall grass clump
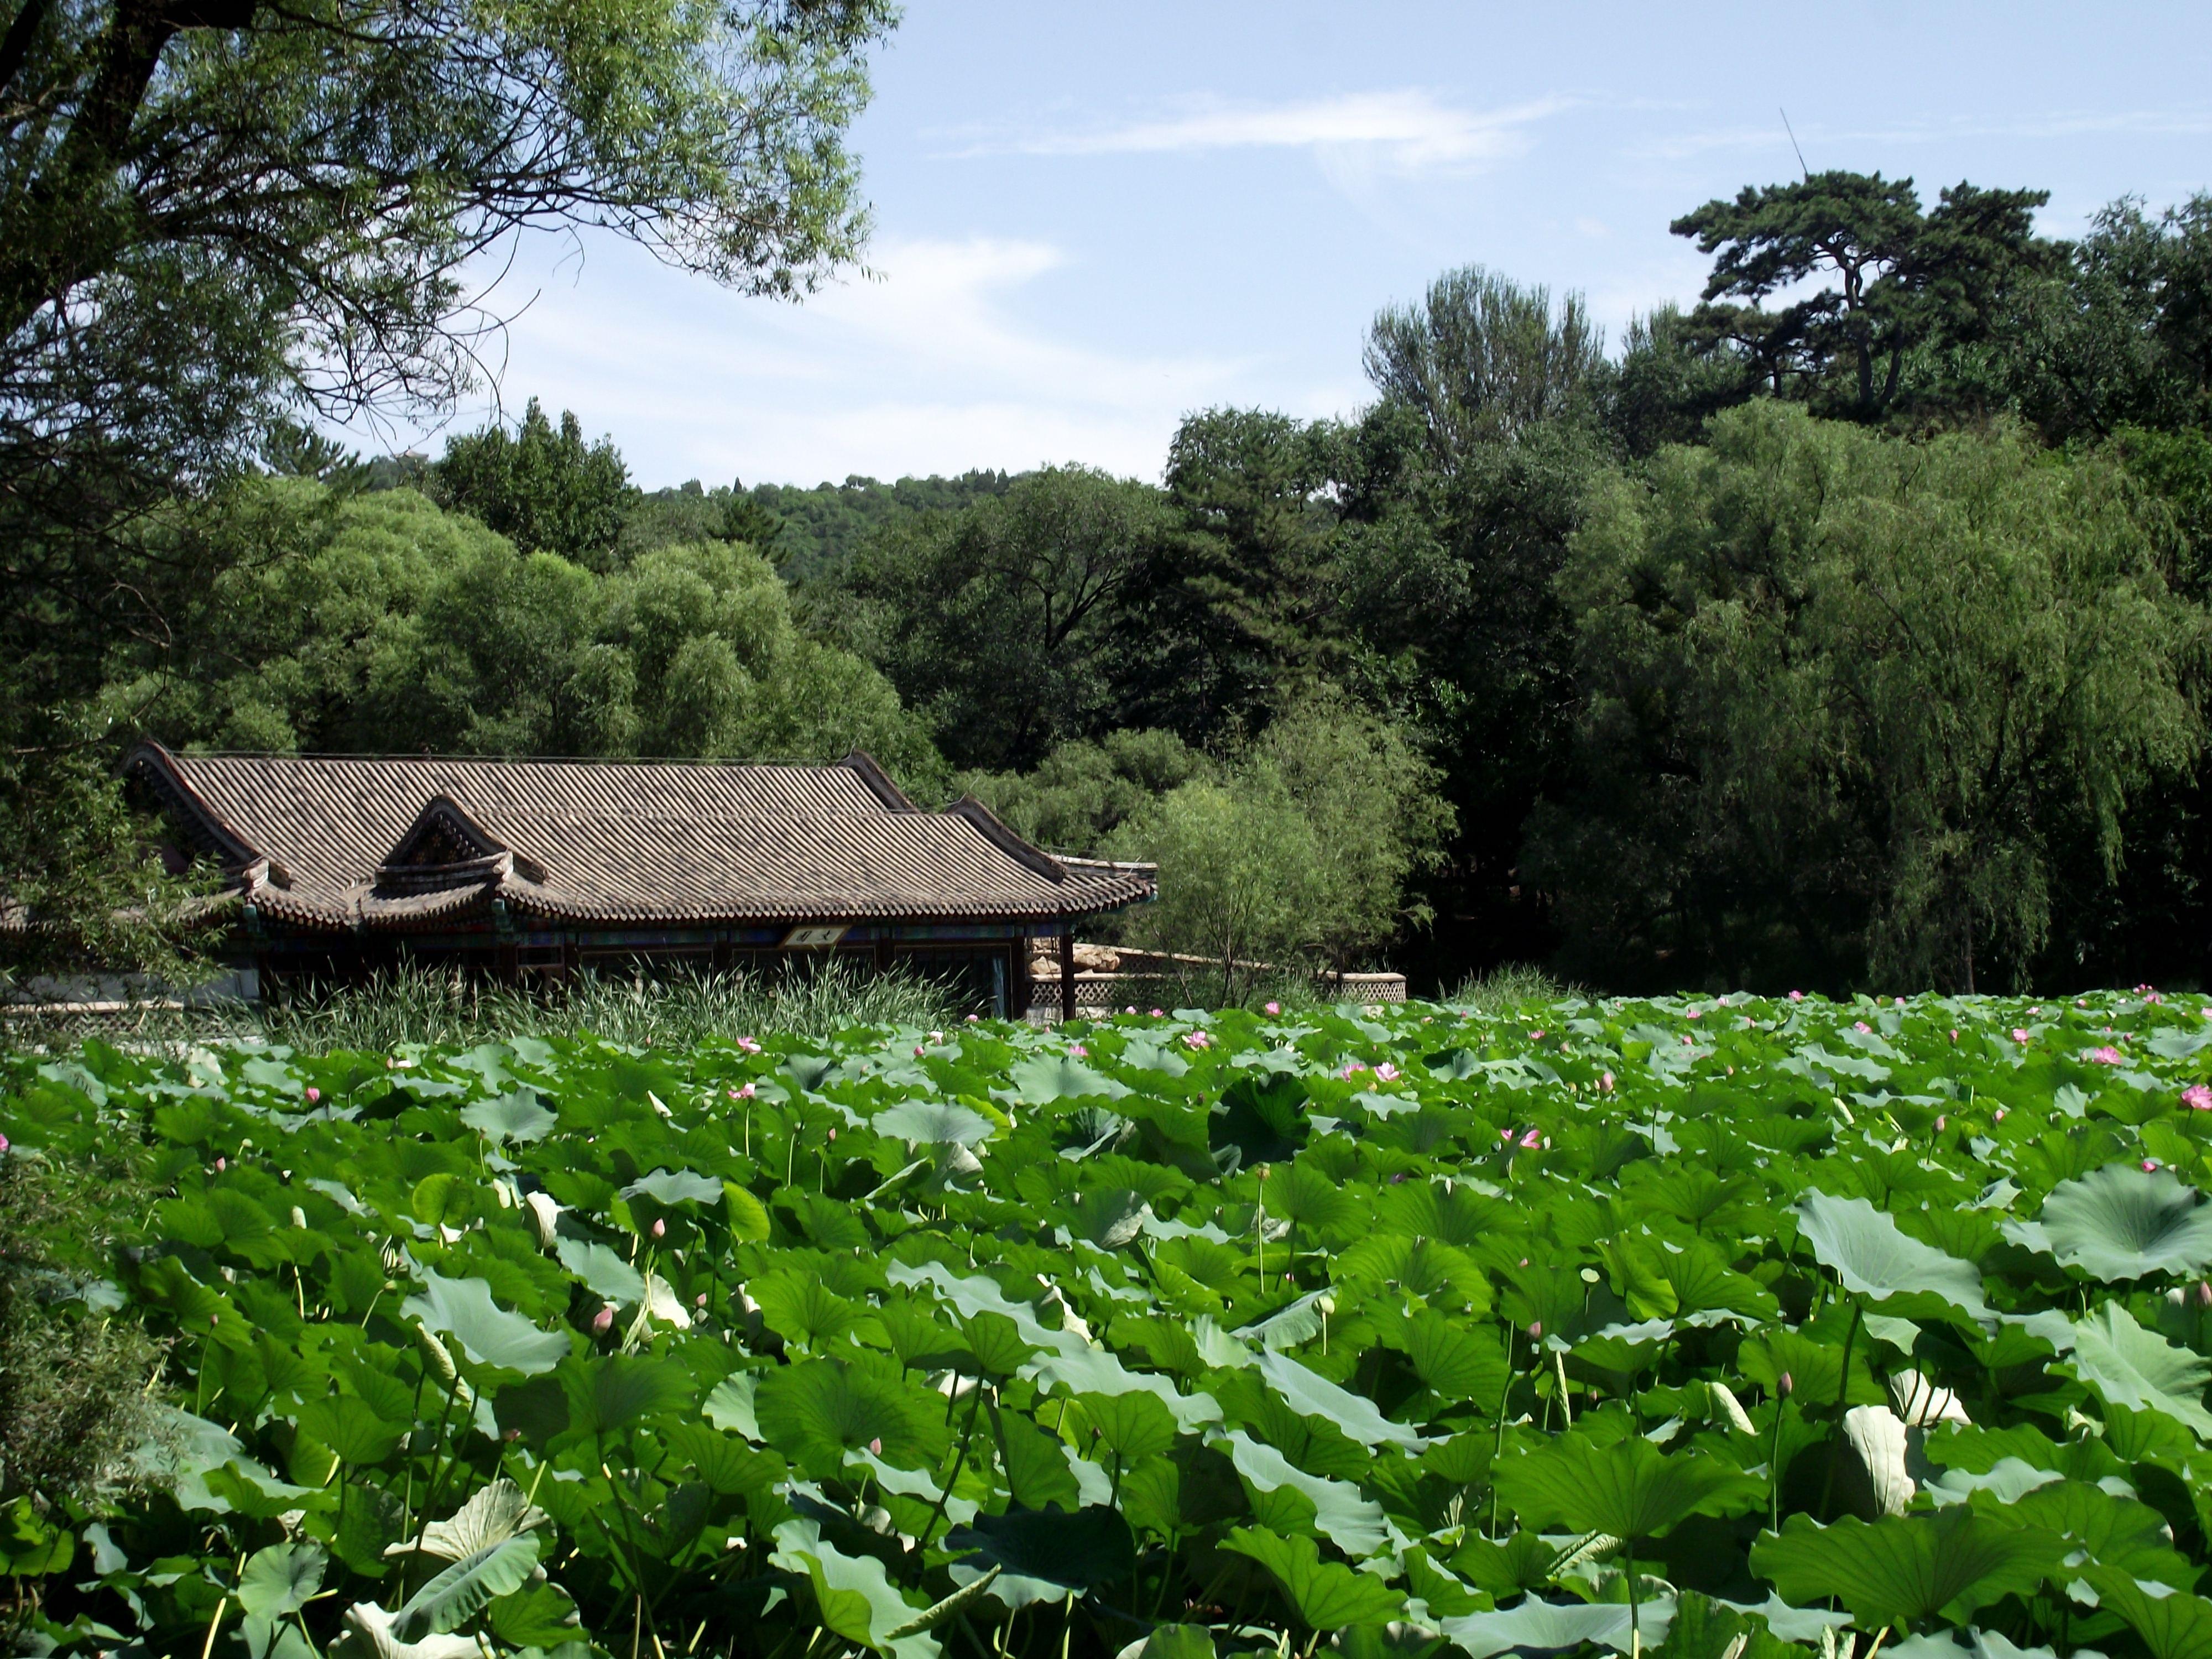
{"x": 1506, "y": 986}
{"x": 428, "y": 1005}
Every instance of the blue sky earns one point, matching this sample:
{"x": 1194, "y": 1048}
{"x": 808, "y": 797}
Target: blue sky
{"x": 1093, "y": 220}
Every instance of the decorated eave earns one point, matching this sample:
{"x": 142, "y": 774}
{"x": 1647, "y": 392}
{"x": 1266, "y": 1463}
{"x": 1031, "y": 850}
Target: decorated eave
{"x": 389, "y": 844}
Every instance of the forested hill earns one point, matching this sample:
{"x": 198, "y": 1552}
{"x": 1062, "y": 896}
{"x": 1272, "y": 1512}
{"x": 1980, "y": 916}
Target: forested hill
{"x": 811, "y": 534}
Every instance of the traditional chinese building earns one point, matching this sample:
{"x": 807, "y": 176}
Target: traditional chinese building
{"x": 342, "y": 866}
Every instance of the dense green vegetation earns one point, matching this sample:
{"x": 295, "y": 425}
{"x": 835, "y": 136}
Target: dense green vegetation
{"x": 1702, "y": 1325}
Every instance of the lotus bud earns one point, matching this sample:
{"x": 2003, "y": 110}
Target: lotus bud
{"x": 876, "y": 1446}
{"x": 2204, "y": 1294}
{"x": 1939, "y": 1123}
{"x": 440, "y": 1361}
{"x": 1535, "y": 1329}
{"x": 1999, "y": 1116}
{"x": 2150, "y": 1166}
{"x": 214, "y": 1320}
{"x": 833, "y": 1136}
{"x": 659, "y": 1228}
{"x": 603, "y": 1321}
{"x": 299, "y": 1218}
{"x": 220, "y": 1164}
{"x": 313, "y": 1094}
{"x": 700, "y": 1301}
{"x": 1784, "y": 1386}
{"x": 1328, "y": 1304}
{"x": 3, "y": 1142}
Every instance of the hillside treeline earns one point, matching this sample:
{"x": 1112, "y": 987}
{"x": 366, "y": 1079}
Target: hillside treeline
{"x": 1846, "y": 627}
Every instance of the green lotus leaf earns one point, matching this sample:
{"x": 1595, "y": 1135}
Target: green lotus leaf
{"x": 855, "y": 1595}
{"x": 2176, "y": 1625}
{"x": 1875, "y": 1259}
{"x": 1538, "y": 1626}
{"x": 1630, "y": 1489}
{"x": 1049, "y": 1078}
{"x": 1081, "y": 1550}
{"x": 608, "y": 1393}
{"x": 676, "y": 1187}
{"x": 463, "y": 1308}
{"x": 1343, "y": 1514}
{"x": 604, "y": 1271}
{"x": 1327, "y": 1595}
{"x": 2121, "y": 1222}
{"x": 280, "y": 1579}
{"x": 350, "y": 1427}
{"x": 2130, "y": 1366}
{"x": 1130, "y": 1425}
{"x": 934, "y": 1123}
{"x": 1903, "y": 1569}
{"x": 463, "y": 1590}
{"x": 516, "y": 1117}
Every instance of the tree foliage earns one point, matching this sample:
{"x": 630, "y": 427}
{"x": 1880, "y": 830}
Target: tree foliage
{"x": 546, "y": 491}
{"x": 1844, "y": 694}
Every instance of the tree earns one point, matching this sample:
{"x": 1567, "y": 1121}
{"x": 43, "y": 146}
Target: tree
{"x": 998, "y": 619}
{"x": 2121, "y": 333}
{"x": 1300, "y": 851}
{"x": 1484, "y": 359}
{"x": 1845, "y": 695}
{"x": 1238, "y": 869}
{"x": 389, "y": 625}
{"x": 546, "y": 492}
{"x": 1086, "y": 790}
{"x": 1905, "y": 280}
{"x": 1234, "y": 612}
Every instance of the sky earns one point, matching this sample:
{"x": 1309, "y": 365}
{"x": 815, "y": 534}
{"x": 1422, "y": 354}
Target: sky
{"x": 1093, "y": 220}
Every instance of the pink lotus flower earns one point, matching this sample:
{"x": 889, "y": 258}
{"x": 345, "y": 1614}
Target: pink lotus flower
{"x": 937, "y": 1036}
{"x": 1898, "y": 1001}
{"x": 917, "y": 1051}
{"x": 1196, "y": 1040}
{"x": 220, "y": 1164}
{"x": 2019, "y": 1033}
{"x": 3, "y": 1142}
{"x": 1530, "y": 1142}
{"x": 749, "y": 1045}
{"x": 732, "y": 1094}
{"x": 1352, "y": 1068}
{"x": 975, "y": 1019}
{"x": 1688, "y": 1041}
{"x": 1535, "y": 1036}
{"x": 2197, "y": 1097}
{"x": 1505, "y": 1135}
{"x": 1386, "y": 1072}
{"x": 1535, "y": 1329}
{"x": 745, "y": 1093}
{"x": 1605, "y": 1082}
{"x": 700, "y": 1300}
{"x": 1796, "y": 996}
{"x": 1157, "y": 1014}
{"x": 1079, "y": 1051}
{"x": 833, "y": 1137}
{"x": 603, "y": 1321}
{"x": 1954, "y": 1036}
{"x": 2150, "y": 1166}
{"x": 1861, "y": 1025}
{"x": 876, "y": 1446}
{"x": 659, "y": 1228}
{"x": 313, "y": 1094}
{"x": 1692, "y": 1013}
{"x": 1939, "y": 1124}
{"x": 1131, "y": 1009}
{"x": 1999, "y": 1115}
{"x": 1274, "y": 1008}
{"x": 2107, "y": 1055}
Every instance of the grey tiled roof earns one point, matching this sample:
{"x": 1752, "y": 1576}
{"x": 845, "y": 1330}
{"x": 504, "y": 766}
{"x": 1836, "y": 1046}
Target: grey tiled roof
{"x": 386, "y": 844}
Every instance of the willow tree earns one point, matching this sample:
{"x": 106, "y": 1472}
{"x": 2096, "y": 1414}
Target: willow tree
{"x": 1844, "y": 694}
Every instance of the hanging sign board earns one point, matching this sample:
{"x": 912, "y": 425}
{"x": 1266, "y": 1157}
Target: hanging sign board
{"x": 814, "y": 939}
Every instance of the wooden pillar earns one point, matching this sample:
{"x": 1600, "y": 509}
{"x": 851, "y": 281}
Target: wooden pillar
{"x": 1067, "y": 976}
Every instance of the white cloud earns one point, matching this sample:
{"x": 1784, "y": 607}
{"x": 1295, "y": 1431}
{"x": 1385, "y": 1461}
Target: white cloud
{"x": 1409, "y": 129}
{"x": 2048, "y": 127}
{"x": 927, "y": 366}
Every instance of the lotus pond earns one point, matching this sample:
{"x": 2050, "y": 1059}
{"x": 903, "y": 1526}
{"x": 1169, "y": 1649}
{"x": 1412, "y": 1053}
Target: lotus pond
{"x": 1713, "y": 1328}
